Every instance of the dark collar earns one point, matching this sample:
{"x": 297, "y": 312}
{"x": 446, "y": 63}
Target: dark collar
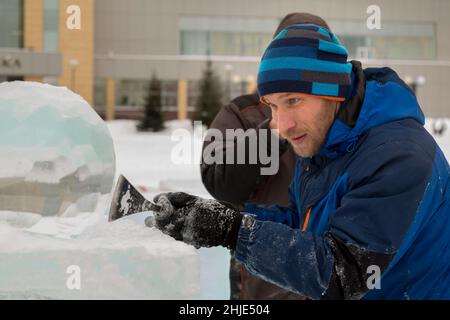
{"x": 350, "y": 108}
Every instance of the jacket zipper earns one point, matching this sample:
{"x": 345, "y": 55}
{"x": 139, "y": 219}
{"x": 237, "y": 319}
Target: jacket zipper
{"x": 305, "y": 223}
{"x": 302, "y": 185}
{"x": 308, "y": 207}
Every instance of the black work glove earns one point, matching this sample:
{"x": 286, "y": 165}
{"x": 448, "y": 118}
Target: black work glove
{"x": 196, "y": 221}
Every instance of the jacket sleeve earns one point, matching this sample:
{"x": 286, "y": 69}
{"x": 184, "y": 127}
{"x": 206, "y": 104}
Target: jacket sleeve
{"x": 367, "y": 228}
{"x": 231, "y": 182}
{"x": 287, "y": 215}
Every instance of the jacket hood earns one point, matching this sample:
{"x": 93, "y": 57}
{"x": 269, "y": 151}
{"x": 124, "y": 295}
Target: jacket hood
{"x": 378, "y": 96}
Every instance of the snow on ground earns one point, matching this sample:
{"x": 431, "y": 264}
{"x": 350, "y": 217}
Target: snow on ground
{"x": 147, "y": 160}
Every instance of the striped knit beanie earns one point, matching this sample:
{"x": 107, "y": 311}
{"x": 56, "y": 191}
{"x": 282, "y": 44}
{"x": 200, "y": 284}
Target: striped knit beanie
{"x": 305, "y": 58}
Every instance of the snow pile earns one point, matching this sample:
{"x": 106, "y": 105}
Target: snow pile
{"x": 178, "y": 124}
{"x": 56, "y": 153}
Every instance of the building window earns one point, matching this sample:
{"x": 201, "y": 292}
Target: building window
{"x": 131, "y": 94}
{"x": 100, "y": 93}
{"x": 230, "y": 36}
{"x": 51, "y": 25}
{"x": 11, "y": 24}
{"x": 193, "y": 93}
{"x": 234, "y": 36}
{"x": 194, "y": 42}
{"x": 403, "y": 41}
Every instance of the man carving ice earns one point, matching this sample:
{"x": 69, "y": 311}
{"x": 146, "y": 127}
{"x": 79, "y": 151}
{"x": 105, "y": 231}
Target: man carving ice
{"x": 371, "y": 187}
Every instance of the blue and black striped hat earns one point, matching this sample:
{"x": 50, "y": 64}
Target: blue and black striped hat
{"x": 305, "y": 58}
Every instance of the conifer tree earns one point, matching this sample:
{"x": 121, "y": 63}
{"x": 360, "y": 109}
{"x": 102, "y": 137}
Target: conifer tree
{"x": 153, "y": 117}
{"x": 209, "y": 101}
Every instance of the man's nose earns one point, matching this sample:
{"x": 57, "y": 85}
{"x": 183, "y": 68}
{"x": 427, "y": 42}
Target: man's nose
{"x": 285, "y": 122}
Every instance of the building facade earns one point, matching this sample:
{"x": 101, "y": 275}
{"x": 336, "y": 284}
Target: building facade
{"x": 36, "y": 45}
{"x": 120, "y": 44}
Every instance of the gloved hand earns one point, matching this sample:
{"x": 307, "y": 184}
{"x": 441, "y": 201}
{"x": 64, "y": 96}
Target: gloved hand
{"x": 196, "y": 221}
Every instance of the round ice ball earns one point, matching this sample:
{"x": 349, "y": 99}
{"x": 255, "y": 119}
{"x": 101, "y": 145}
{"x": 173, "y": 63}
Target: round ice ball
{"x": 56, "y": 154}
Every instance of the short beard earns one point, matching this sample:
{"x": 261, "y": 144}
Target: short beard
{"x": 327, "y": 118}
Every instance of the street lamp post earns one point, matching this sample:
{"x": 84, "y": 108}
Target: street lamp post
{"x": 238, "y": 81}
{"x": 415, "y": 83}
{"x": 73, "y": 63}
{"x": 250, "y": 84}
{"x": 228, "y": 69}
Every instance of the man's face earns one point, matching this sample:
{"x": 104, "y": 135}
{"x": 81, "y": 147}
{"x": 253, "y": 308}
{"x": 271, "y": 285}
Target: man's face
{"x": 304, "y": 120}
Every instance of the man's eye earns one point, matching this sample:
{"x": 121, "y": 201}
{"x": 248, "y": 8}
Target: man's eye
{"x": 292, "y": 101}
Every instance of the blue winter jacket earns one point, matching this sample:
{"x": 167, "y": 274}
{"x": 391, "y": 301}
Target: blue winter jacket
{"x": 375, "y": 198}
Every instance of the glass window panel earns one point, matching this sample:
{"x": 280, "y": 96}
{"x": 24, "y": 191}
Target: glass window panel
{"x": 235, "y": 24}
{"x": 352, "y": 43}
{"x": 133, "y": 93}
{"x": 414, "y": 48}
{"x": 231, "y": 36}
{"x": 194, "y": 42}
{"x": 11, "y": 24}
{"x": 50, "y": 25}
{"x": 225, "y": 43}
{"x": 395, "y": 40}
{"x": 99, "y": 92}
{"x": 254, "y": 44}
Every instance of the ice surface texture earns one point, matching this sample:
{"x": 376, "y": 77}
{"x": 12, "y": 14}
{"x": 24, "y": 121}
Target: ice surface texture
{"x": 56, "y": 153}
